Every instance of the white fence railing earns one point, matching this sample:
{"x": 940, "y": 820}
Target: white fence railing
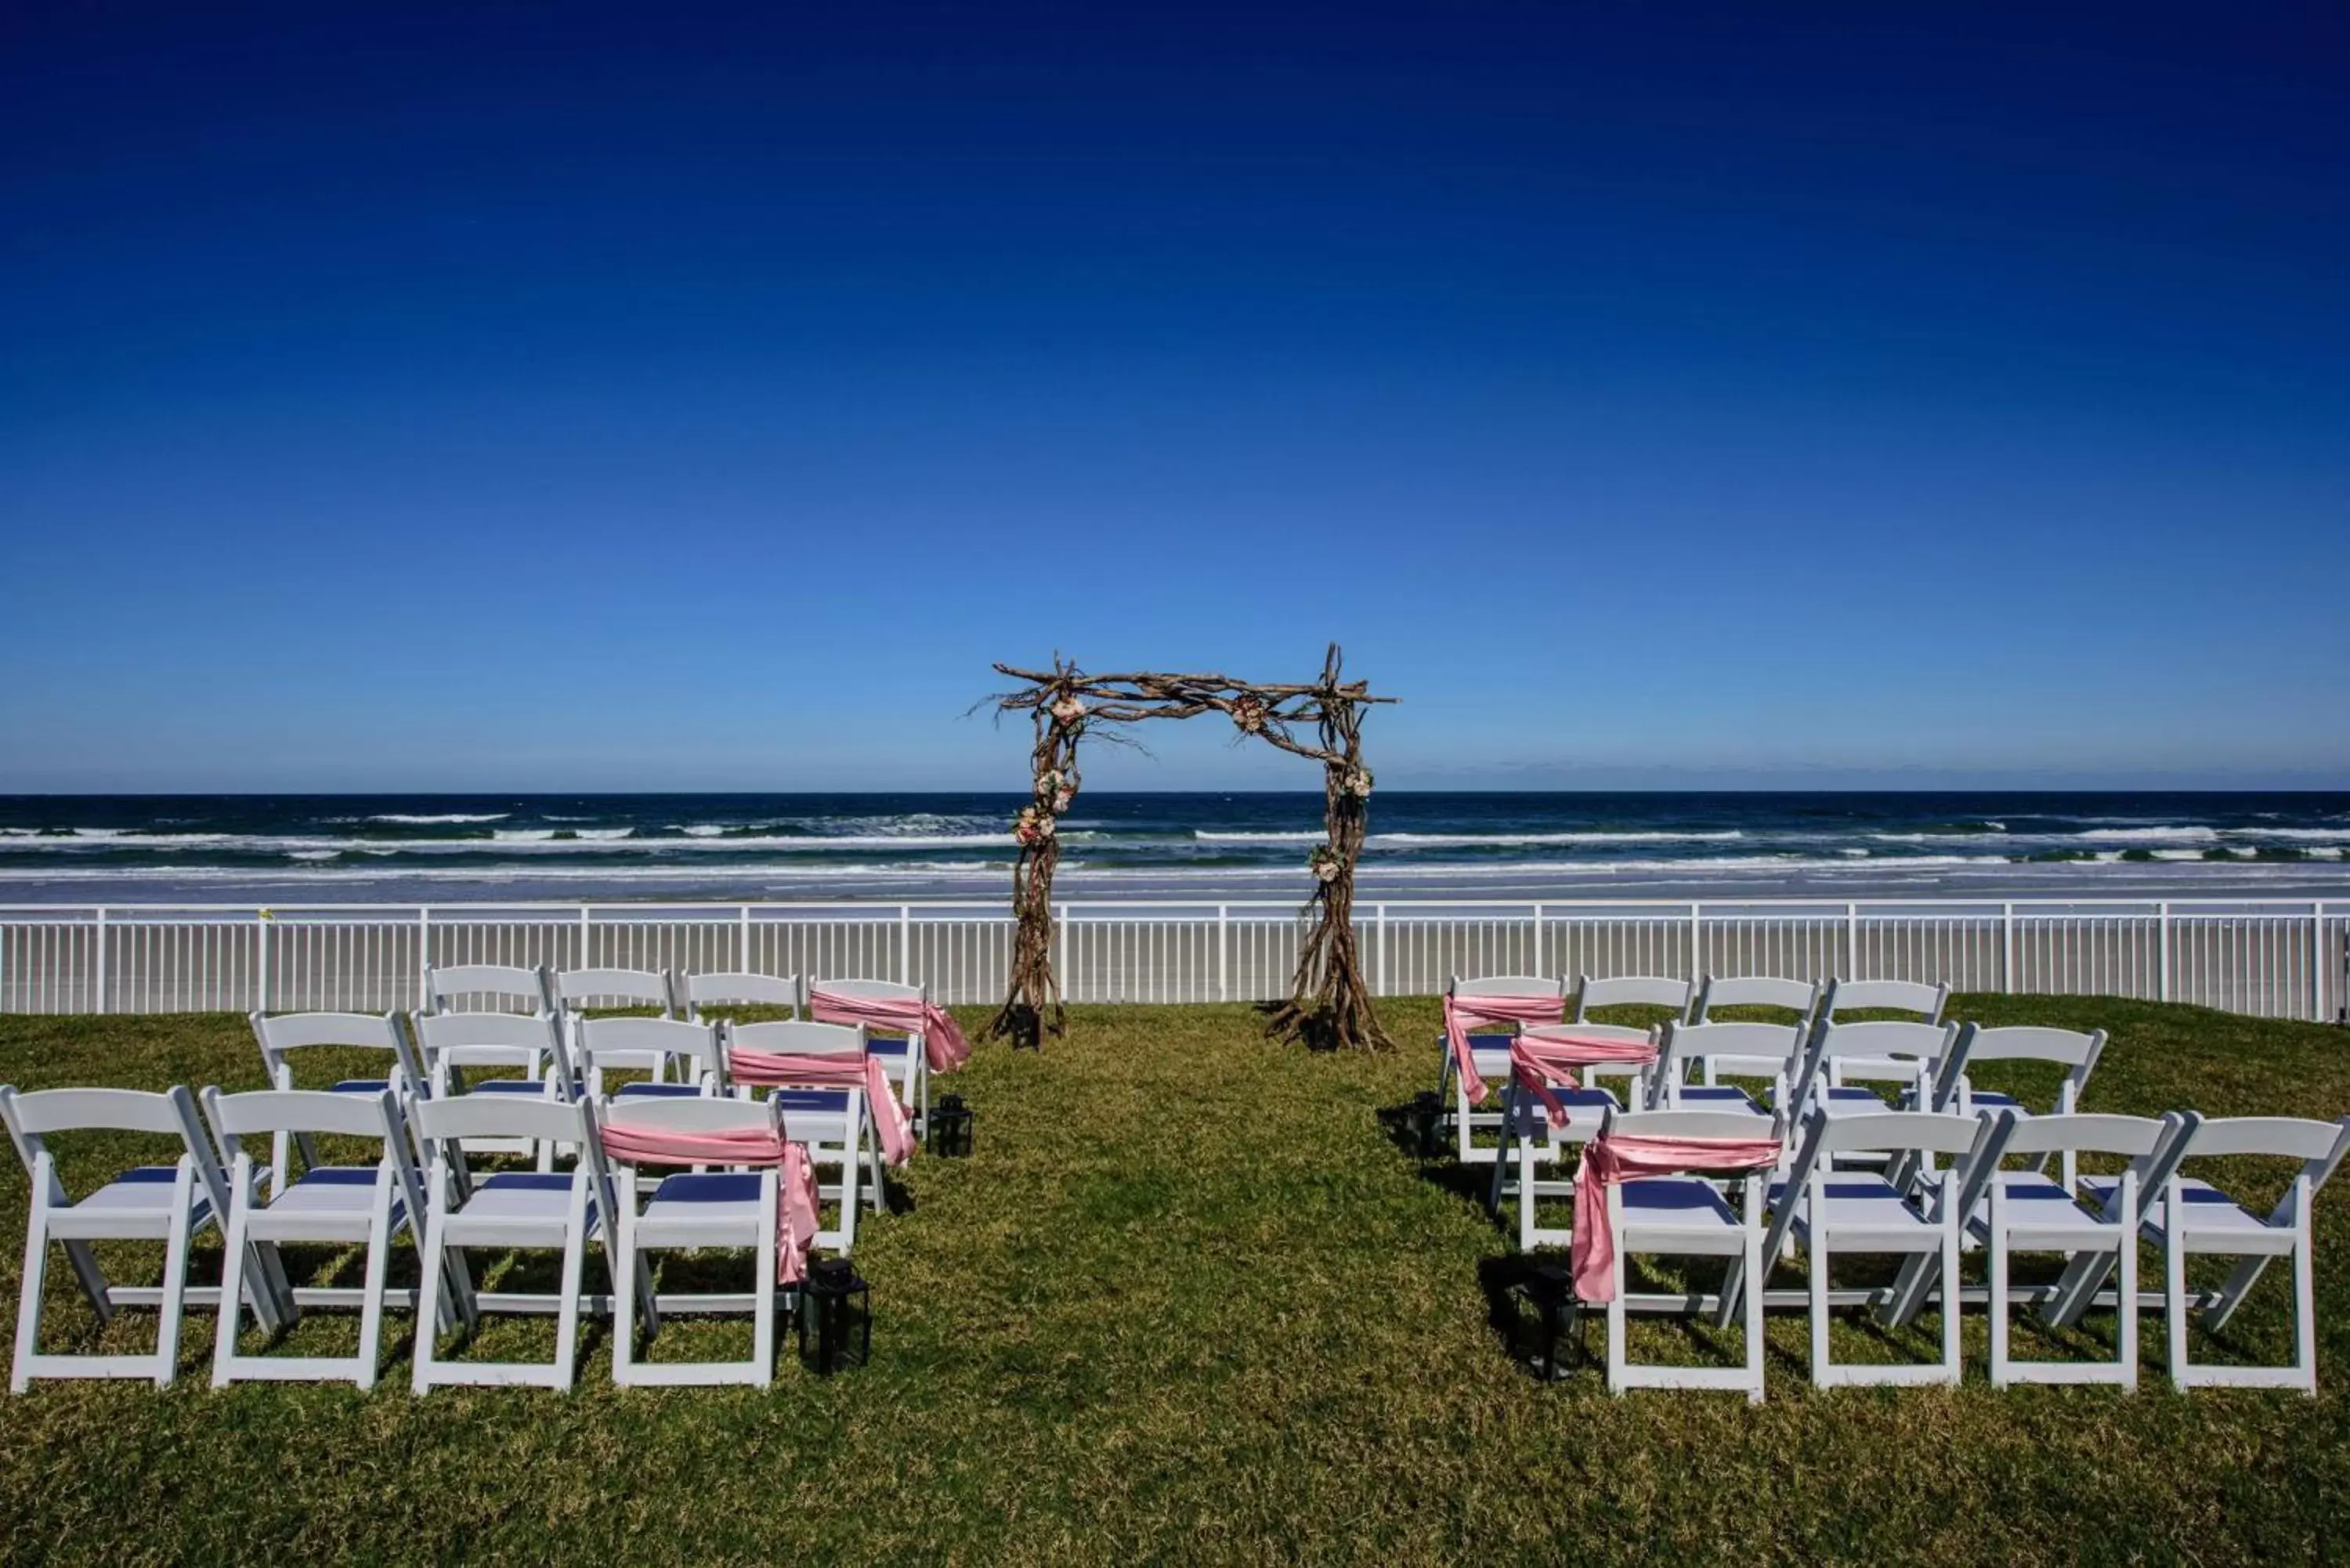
{"x": 2275, "y": 960}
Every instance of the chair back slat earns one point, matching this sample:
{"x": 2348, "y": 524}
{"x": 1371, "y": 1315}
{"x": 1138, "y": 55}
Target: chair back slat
{"x": 798, "y": 1037}
{"x": 1632, "y": 990}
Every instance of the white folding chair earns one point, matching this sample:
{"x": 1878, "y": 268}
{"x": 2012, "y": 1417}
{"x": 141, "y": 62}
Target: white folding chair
{"x": 835, "y": 1123}
{"x": 1687, "y": 1052}
{"x": 2077, "y": 1053}
{"x": 1626, "y": 991}
{"x": 736, "y": 987}
{"x": 2196, "y": 1217}
{"x": 1687, "y": 1215}
{"x": 1533, "y": 1140}
{"x": 1490, "y": 1053}
{"x": 1799, "y": 997}
{"x": 166, "y": 1203}
{"x": 1846, "y": 1058}
{"x": 1827, "y": 1212}
{"x": 345, "y": 1204}
{"x": 648, "y": 1046}
{"x": 528, "y": 1044}
{"x": 691, "y": 1211}
{"x": 507, "y": 1210}
{"x": 488, "y": 988}
{"x": 284, "y": 1033}
{"x": 2012, "y": 1211}
{"x": 905, "y": 1057}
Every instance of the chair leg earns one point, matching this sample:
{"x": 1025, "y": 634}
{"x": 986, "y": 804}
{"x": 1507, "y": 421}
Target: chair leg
{"x": 1998, "y": 1294}
{"x": 1752, "y": 1264}
{"x": 232, "y": 1292}
{"x": 175, "y": 1288}
{"x": 2174, "y": 1296}
{"x": 428, "y": 1288}
{"x": 378, "y": 1262}
{"x": 1952, "y": 1366}
{"x": 1525, "y": 1194}
{"x": 2304, "y": 1303}
{"x": 763, "y": 1311}
{"x": 566, "y": 1315}
{"x": 1815, "y": 1265}
{"x": 28, "y": 1305}
{"x": 2126, "y": 1318}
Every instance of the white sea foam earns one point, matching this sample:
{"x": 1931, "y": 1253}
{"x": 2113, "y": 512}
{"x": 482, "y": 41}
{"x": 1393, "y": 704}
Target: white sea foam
{"x": 405, "y": 820}
{"x": 2166, "y": 835}
{"x": 1471, "y": 840}
{"x": 603, "y": 835}
{"x": 523, "y": 834}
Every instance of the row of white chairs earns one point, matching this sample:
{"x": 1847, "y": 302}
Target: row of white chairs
{"x": 1862, "y": 1114}
{"x": 1810, "y": 1005}
{"x": 216, "y": 1182}
{"x": 433, "y": 1117}
{"x": 1804, "y": 1202}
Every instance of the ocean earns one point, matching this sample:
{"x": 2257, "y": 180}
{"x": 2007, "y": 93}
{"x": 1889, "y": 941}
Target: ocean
{"x": 297, "y": 849}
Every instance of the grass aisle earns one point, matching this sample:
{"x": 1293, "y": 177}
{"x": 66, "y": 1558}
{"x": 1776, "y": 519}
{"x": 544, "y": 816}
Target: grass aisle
{"x": 1188, "y": 1300}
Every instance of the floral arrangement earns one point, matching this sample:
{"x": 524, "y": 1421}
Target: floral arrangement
{"x": 1032, "y": 826}
{"x": 1249, "y": 714}
{"x": 1325, "y": 862}
{"x": 1056, "y": 789}
{"x": 1359, "y": 784}
{"x": 1069, "y": 709}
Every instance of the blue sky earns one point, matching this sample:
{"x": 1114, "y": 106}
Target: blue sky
{"x": 398, "y": 397}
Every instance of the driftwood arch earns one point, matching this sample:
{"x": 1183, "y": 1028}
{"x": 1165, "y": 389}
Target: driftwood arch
{"x": 1329, "y": 1001}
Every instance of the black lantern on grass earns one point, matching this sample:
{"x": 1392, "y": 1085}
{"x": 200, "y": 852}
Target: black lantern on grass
{"x": 950, "y": 1127}
{"x": 1548, "y": 1289}
{"x": 836, "y": 1313}
{"x": 1426, "y": 1114}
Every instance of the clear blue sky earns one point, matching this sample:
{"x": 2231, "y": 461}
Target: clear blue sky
{"x": 399, "y": 398}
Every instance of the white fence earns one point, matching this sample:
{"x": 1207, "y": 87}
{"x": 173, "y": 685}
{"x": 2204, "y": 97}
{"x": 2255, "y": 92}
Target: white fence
{"x": 2283, "y": 960}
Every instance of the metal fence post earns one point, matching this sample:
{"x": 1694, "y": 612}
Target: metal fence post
{"x": 423, "y": 956}
{"x": 263, "y": 925}
{"x": 585, "y": 937}
{"x": 1380, "y": 950}
{"x": 1536, "y": 966}
{"x": 1223, "y": 952}
{"x": 1697, "y": 939}
{"x": 905, "y": 944}
{"x": 2007, "y": 949}
{"x": 99, "y": 1000}
{"x": 1852, "y": 941}
{"x": 2162, "y": 950}
{"x": 2316, "y": 963}
{"x": 743, "y": 947}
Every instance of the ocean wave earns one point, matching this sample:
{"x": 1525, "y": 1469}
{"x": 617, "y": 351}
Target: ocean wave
{"x": 405, "y": 820}
{"x": 1205, "y": 836}
{"x": 1471, "y": 840}
{"x": 2164, "y": 834}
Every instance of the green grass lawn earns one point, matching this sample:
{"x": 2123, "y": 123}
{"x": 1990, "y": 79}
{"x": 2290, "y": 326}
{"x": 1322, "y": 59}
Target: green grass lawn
{"x": 1190, "y": 1300}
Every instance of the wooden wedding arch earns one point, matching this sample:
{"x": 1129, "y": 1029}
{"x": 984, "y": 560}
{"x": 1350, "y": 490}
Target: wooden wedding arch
{"x": 1329, "y": 1002}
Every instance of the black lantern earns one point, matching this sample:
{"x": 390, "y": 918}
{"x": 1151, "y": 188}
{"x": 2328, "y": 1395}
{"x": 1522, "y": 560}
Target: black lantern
{"x": 1547, "y": 1288}
{"x": 950, "y": 1127}
{"x": 837, "y": 1309}
{"x": 1426, "y": 1114}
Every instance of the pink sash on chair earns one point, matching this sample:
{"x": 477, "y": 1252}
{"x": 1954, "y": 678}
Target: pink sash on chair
{"x": 796, "y": 1195}
{"x": 943, "y": 1043}
{"x": 1608, "y": 1160}
{"x": 1542, "y": 1059}
{"x": 1462, "y": 1014}
{"x": 769, "y": 1069}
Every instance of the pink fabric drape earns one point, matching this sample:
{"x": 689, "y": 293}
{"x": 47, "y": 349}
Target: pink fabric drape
{"x": 770, "y": 1069}
{"x": 795, "y": 1190}
{"x": 1609, "y": 1159}
{"x": 943, "y": 1043}
{"x": 1544, "y": 1058}
{"x": 1462, "y": 1014}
